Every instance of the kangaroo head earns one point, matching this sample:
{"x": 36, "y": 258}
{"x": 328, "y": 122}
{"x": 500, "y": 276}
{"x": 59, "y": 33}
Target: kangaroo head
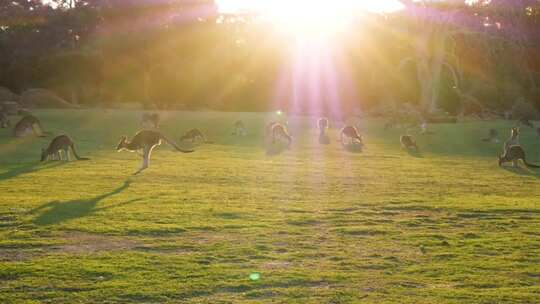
{"x": 122, "y": 143}
{"x": 515, "y": 132}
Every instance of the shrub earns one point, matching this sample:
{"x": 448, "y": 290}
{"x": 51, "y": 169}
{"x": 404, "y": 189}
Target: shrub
{"x": 524, "y": 110}
{"x": 41, "y": 98}
{"x": 7, "y": 95}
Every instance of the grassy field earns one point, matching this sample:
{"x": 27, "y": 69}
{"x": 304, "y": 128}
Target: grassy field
{"x": 232, "y": 224}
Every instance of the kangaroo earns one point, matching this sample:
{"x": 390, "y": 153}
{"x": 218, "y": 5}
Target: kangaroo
{"x": 513, "y": 140}
{"x": 513, "y": 154}
{"x": 150, "y": 120}
{"x": 407, "y": 142}
{"x": 493, "y": 136}
{"x": 4, "y": 120}
{"x": 27, "y": 125}
{"x": 525, "y": 122}
{"x": 280, "y": 132}
{"x": 389, "y": 125}
{"x": 58, "y": 146}
{"x": 323, "y": 125}
{"x": 239, "y": 129}
{"x": 146, "y": 141}
{"x": 351, "y": 133}
{"x": 194, "y": 135}
{"x": 269, "y": 127}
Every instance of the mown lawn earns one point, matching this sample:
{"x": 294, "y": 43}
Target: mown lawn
{"x": 231, "y": 224}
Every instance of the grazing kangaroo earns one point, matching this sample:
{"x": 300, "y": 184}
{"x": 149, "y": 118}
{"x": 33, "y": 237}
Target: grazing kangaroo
{"x": 351, "y": 133}
{"x": 513, "y": 154}
{"x": 280, "y": 132}
{"x": 58, "y": 146}
{"x": 525, "y": 122}
{"x": 194, "y": 135}
{"x": 4, "y": 120}
{"x": 513, "y": 140}
{"x": 407, "y": 142}
{"x": 27, "y": 125}
{"x": 239, "y": 129}
{"x": 150, "y": 120}
{"x": 146, "y": 141}
{"x": 493, "y": 136}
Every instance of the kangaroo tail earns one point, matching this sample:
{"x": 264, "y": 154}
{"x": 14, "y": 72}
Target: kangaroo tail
{"x": 172, "y": 143}
{"x": 77, "y": 155}
{"x": 529, "y": 164}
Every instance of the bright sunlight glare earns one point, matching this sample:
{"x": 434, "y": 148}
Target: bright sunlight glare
{"x": 309, "y": 17}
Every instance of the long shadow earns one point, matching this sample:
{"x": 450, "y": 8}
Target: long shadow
{"x": 275, "y": 149}
{"x": 415, "y": 153}
{"x": 28, "y": 168}
{"x": 521, "y": 171}
{"x": 56, "y": 212}
{"x": 353, "y": 148}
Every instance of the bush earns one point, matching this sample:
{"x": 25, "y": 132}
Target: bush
{"x": 41, "y": 98}
{"x": 524, "y": 110}
{"x": 7, "y": 95}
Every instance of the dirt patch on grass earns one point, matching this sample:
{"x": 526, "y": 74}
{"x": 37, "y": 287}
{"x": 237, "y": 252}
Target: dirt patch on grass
{"x": 83, "y": 243}
{"x": 15, "y": 255}
{"x": 276, "y": 265}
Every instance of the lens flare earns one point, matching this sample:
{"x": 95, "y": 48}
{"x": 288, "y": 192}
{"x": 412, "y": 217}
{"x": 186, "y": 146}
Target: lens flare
{"x": 309, "y": 17}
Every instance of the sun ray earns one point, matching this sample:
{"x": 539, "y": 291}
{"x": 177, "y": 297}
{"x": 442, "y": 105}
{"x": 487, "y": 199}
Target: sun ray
{"x": 309, "y": 17}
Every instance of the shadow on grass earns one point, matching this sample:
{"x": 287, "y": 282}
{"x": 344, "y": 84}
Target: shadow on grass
{"x": 353, "y": 148}
{"x": 275, "y": 149}
{"x": 324, "y": 139}
{"x": 415, "y": 153}
{"x": 28, "y": 168}
{"x": 56, "y": 212}
{"x": 521, "y": 171}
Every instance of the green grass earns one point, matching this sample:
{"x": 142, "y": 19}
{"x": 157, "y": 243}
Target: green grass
{"x": 319, "y": 224}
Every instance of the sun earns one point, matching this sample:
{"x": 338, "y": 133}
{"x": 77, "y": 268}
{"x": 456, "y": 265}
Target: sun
{"x": 309, "y": 17}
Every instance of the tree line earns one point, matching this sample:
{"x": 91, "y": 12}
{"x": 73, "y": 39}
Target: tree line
{"x": 452, "y": 56}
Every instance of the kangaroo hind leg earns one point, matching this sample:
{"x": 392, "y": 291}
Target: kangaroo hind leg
{"x": 147, "y": 151}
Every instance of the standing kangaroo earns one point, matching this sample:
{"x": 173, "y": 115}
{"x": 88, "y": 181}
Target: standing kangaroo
{"x": 146, "y": 141}
{"x": 513, "y": 154}
{"x": 27, "y": 125}
{"x": 58, "y": 146}
{"x": 323, "y": 125}
{"x": 239, "y": 129}
{"x": 513, "y": 140}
